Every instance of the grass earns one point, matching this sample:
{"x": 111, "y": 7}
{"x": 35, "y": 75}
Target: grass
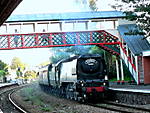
{"x": 46, "y": 109}
{"x": 126, "y": 78}
{"x": 29, "y": 95}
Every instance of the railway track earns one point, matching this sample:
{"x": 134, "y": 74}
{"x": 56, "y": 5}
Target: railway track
{"x": 7, "y": 104}
{"x": 116, "y": 107}
{"x": 113, "y": 106}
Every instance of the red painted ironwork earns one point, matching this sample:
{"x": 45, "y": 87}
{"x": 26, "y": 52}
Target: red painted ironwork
{"x": 97, "y": 89}
{"x": 128, "y": 57}
{"x": 8, "y": 41}
{"x": 57, "y": 39}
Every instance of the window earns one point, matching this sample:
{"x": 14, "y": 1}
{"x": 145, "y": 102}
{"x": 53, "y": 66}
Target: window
{"x": 68, "y": 26}
{"x": 40, "y": 27}
{"x": 79, "y": 26}
{"x": 12, "y": 28}
{"x": 54, "y": 27}
{"x": 27, "y": 28}
{"x": 3, "y": 29}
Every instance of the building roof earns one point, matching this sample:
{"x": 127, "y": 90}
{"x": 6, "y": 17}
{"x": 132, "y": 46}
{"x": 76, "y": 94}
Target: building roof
{"x": 6, "y": 8}
{"x": 66, "y": 16}
{"x": 136, "y": 43}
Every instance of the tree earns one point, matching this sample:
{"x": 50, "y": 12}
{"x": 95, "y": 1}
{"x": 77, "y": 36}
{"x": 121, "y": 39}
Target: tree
{"x": 136, "y": 10}
{"x": 92, "y": 5}
{"x": 3, "y": 69}
{"x": 16, "y": 63}
{"x": 96, "y": 50}
{"x": 30, "y": 74}
{"x": 89, "y": 3}
{"x": 65, "y": 52}
{"x": 2, "y": 65}
{"x": 59, "y": 53}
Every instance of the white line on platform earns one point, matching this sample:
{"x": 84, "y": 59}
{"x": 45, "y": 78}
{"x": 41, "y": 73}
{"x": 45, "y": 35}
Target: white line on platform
{"x": 1, "y": 111}
{"x": 131, "y": 90}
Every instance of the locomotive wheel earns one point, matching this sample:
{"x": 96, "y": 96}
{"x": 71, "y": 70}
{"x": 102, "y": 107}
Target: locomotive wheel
{"x": 83, "y": 100}
{"x": 75, "y": 96}
{"x": 68, "y": 93}
{"x": 62, "y": 92}
{"x": 71, "y": 93}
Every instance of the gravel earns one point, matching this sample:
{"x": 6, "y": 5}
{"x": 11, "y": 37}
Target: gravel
{"x": 5, "y": 104}
{"x": 35, "y": 100}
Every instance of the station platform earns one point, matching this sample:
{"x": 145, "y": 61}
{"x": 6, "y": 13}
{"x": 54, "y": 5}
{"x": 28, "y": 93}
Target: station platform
{"x": 1, "y": 111}
{"x": 6, "y": 84}
{"x": 131, "y": 88}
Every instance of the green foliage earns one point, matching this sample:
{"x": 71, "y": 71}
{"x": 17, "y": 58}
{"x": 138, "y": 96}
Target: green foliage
{"x": 3, "y": 69}
{"x": 30, "y": 95}
{"x": 30, "y": 74}
{"x": 110, "y": 63}
{"x": 139, "y": 11}
{"x": 96, "y": 50}
{"x": 63, "y": 53}
{"x": 19, "y": 73}
{"x": 92, "y": 5}
{"x": 2, "y": 65}
{"x": 16, "y": 63}
{"x": 2, "y": 73}
{"x": 46, "y": 109}
{"x": 59, "y": 56}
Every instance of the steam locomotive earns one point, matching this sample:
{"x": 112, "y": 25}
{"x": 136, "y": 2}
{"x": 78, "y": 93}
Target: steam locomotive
{"x": 80, "y": 78}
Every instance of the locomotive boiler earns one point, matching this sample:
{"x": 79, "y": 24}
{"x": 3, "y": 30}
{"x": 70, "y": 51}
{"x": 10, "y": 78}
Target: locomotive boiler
{"x": 80, "y": 78}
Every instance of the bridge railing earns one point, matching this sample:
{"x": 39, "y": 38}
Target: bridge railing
{"x": 35, "y": 40}
{"x": 129, "y": 63}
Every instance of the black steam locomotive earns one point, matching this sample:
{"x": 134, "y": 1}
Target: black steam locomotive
{"x": 81, "y": 77}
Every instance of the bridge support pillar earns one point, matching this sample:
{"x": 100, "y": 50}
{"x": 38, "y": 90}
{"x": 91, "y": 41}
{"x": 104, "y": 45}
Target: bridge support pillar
{"x": 122, "y": 74}
{"x": 117, "y": 69}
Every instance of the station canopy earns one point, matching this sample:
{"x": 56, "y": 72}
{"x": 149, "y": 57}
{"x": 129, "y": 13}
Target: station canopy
{"x": 6, "y": 8}
{"x": 136, "y": 43}
{"x": 66, "y": 16}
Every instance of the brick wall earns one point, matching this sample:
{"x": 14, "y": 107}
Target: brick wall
{"x": 146, "y": 64}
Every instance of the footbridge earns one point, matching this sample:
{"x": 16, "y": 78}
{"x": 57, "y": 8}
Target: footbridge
{"x": 60, "y": 30}
{"x": 60, "y": 39}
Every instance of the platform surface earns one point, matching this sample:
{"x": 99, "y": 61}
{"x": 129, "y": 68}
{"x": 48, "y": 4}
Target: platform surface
{"x": 5, "y": 84}
{"x": 1, "y": 111}
{"x": 131, "y": 88}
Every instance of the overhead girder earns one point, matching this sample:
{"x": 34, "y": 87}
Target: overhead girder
{"x": 60, "y": 39}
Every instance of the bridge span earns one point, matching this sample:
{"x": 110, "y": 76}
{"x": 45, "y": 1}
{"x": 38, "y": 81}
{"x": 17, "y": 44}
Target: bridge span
{"x": 60, "y": 39}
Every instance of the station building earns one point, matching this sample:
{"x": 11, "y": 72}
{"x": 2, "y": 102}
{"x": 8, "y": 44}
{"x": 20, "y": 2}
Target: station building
{"x": 137, "y": 50}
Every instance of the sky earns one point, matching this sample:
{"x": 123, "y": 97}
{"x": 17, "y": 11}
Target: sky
{"x": 32, "y": 57}
{"x": 57, "y": 6}
{"x": 36, "y": 56}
